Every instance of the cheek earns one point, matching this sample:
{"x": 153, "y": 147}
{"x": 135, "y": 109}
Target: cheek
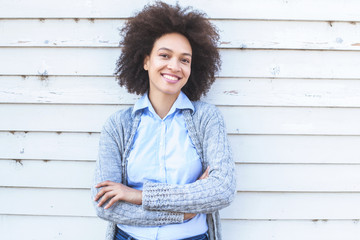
{"x": 187, "y": 70}
{"x": 158, "y": 65}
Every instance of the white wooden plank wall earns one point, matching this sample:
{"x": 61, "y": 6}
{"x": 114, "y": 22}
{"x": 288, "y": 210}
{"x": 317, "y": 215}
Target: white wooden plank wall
{"x": 289, "y": 89}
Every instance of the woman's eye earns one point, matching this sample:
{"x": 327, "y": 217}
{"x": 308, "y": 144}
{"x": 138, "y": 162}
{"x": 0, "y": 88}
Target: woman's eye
{"x": 164, "y": 55}
{"x": 185, "y": 61}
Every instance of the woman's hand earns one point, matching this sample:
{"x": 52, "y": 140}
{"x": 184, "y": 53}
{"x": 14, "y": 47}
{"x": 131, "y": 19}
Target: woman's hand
{"x": 188, "y": 216}
{"x": 117, "y": 192}
{"x": 205, "y": 174}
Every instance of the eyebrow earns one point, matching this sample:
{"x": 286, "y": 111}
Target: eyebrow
{"x": 167, "y": 49}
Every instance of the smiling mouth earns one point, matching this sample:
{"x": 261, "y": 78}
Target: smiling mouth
{"x": 171, "y": 78}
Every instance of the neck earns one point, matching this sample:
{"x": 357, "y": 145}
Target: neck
{"x": 162, "y": 103}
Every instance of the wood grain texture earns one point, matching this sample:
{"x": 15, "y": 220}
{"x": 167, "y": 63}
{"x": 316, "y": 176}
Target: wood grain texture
{"x": 59, "y": 228}
{"x": 49, "y": 146}
{"x": 239, "y": 120}
{"x": 296, "y": 230}
{"x": 68, "y": 228}
{"x": 236, "y": 63}
{"x": 244, "y": 34}
{"x": 305, "y": 149}
{"x": 232, "y": 9}
{"x": 247, "y": 205}
{"x": 293, "y": 206}
{"x": 274, "y": 177}
{"x": 225, "y": 91}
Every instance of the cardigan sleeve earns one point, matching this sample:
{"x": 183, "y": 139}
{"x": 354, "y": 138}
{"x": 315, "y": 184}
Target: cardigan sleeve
{"x": 202, "y": 196}
{"x": 108, "y": 167}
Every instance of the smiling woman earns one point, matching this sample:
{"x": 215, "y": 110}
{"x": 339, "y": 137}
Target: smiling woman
{"x": 161, "y": 173}
{"x": 169, "y": 67}
{"x": 141, "y": 32}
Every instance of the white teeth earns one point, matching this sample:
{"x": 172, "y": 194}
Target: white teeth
{"x": 170, "y": 77}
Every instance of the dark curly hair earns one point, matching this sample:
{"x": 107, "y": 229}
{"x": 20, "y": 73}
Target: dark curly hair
{"x": 141, "y": 32}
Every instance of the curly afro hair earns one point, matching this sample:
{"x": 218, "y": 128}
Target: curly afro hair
{"x": 141, "y": 32}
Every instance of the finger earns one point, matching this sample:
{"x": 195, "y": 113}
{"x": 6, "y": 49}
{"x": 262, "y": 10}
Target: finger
{"x": 107, "y": 196}
{"x": 188, "y": 216}
{"x": 102, "y": 192}
{"x": 202, "y": 176}
{"x": 205, "y": 174}
{"x": 103, "y": 200}
{"x": 111, "y": 202}
{"x": 104, "y": 184}
{"x": 99, "y": 194}
{"x": 207, "y": 171}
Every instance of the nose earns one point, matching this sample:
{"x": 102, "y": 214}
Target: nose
{"x": 174, "y": 65}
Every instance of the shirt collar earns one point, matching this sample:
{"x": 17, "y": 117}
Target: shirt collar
{"x": 182, "y": 102}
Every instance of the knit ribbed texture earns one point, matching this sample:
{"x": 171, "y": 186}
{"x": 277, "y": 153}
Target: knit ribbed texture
{"x": 166, "y": 203}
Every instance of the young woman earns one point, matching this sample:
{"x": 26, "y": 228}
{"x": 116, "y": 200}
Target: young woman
{"x": 165, "y": 167}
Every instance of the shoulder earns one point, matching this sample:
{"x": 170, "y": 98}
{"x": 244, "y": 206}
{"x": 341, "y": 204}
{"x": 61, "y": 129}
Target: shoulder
{"x": 207, "y": 118}
{"x": 119, "y": 119}
{"x": 204, "y": 110}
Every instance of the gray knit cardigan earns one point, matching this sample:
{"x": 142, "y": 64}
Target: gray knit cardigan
{"x": 166, "y": 203}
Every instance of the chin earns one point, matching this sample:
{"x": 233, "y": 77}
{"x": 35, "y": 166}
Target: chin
{"x": 171, "y": 92}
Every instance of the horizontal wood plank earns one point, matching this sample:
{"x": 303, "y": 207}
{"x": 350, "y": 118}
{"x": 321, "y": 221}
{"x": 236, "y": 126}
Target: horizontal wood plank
{"x": 46, "y": 202}
{"x": 49, "y": 174}
{"x": 294, "y": 230}
{"x": 70, "y": 90}
{"x": 246, "y": 9}
{"x": 61, "y": 32}
{"x": 290, "y": 64}
{"x": 49, "y": 146}
{"x": 250, "y": 177}
{"x": 246, "y": 148}
{"x": 236, "y": 63}
{"x": 269, "y": 34}
{"x": 298, "y": 177}
{"x": 261, "y": 205}
{"x": 68, "y": 228}
{"x": 225, "y": 91}
{"x": 296, "y": 149}
{"x": 239, "y": 120}
{"x": 76, "y": 202}
{"x": 14, "y": 227}
{"x": 259, "y": 34}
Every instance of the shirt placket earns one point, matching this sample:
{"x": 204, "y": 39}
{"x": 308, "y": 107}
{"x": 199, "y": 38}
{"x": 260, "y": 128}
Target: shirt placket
{"x": 162, "y": 151}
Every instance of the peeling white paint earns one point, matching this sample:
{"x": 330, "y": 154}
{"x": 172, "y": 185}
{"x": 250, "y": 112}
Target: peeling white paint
{"x": 275, "y": 70}
{"x": 43, "y": 69}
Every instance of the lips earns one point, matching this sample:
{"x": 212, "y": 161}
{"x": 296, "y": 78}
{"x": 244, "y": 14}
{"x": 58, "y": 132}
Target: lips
{"x": 170, "y": 78}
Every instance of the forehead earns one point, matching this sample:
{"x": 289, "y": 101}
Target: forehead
{"x": 174, "y": 42}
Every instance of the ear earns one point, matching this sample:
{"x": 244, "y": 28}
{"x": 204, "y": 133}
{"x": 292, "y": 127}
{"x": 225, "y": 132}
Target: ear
{"x": 146, "y": 63}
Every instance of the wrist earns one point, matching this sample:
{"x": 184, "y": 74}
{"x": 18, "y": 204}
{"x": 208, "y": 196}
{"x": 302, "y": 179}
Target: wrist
{"x": 135, "y": 196}
{"x": 138, "y": 197}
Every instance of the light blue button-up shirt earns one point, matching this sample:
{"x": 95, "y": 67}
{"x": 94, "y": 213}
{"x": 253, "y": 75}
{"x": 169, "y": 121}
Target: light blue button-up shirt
{"x": 163, "y": 152}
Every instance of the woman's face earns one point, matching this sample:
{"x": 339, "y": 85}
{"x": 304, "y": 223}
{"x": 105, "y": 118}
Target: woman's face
{"x": 169, "y": 64}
